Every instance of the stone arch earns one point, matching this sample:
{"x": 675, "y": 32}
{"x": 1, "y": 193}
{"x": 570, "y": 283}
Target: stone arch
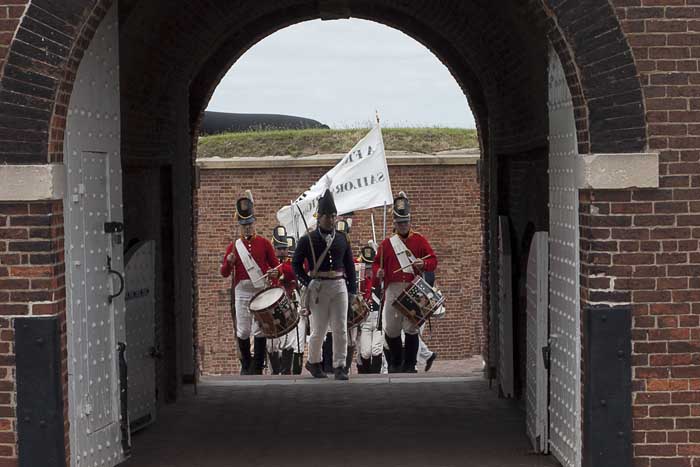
{"x": 587, "y": 35}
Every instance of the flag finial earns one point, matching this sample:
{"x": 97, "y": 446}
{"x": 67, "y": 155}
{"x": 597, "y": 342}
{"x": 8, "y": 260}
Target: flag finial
{"x": 376, "y": 113}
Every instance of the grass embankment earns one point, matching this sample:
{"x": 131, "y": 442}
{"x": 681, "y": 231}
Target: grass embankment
{"x": 300, "y": 143}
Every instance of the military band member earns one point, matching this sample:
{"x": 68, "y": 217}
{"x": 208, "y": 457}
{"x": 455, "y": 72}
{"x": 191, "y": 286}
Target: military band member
{"x": 281, "y": 362}
{"x": 291, "y": 345}
{"x": 331, "y": 279}
{"x": 248, "y": 258}
{"x": 399, "y": 259}
{"x": 371, "y": 339}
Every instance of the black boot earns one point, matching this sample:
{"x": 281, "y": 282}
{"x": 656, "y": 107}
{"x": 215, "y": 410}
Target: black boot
{"x": 315, "y": 369}
{"x": 244, "y": 353}
{"x": 366, "y": 366}
{"x": 327, "y": 353}
{"x": 410, "y": 353}
{"x": 429, "y": 362}
{"x": 395, "y": 353}
{"x": 286, "y": 366}
{"x": 296, "y": 363}
{"x": 259, "y": 350}
{"x": 275, "y": 362}
{"x": 376, "y": 365}
{"x": 341, "y": 374}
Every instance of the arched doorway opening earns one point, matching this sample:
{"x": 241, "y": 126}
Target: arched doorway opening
{"x": 508, "y": 125}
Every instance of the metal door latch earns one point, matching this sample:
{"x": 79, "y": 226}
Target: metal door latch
{"x": 116, "y": 229}
{"x": 546, "y": 354}
{"x": 121, "y": 279}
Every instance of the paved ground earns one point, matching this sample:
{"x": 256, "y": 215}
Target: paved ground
{"x": 425, "y": 420}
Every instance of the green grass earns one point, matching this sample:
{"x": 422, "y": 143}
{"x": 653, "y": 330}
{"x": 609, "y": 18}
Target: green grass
{"x": 300, "y": 143}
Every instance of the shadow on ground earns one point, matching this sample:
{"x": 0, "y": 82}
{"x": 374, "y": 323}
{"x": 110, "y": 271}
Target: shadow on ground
{"x": 440, "y": 422}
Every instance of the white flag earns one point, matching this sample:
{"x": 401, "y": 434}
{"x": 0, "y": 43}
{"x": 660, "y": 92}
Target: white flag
{"x": 359, "y": 181}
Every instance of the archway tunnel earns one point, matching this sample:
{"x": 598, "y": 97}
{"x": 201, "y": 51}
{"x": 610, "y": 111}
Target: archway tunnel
{"x": 545, "y": 83}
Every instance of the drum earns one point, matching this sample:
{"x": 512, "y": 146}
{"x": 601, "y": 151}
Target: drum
{"x": 418, "y": 301}
{"x": 357, "y": 311}
{"x": 274, "y": 312}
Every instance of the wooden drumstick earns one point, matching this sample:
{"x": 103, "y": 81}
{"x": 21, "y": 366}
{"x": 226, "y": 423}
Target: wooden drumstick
{"x": 264, "y": 276}
{"x": 409, "y": 265}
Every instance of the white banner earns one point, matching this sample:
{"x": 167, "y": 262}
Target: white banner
{"x": 359, "y": 181}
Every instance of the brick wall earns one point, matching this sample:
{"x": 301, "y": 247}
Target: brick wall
{"x": 641, "y": 246}
{"x": 32, "y": 282}
{"x": 446, "y": 208}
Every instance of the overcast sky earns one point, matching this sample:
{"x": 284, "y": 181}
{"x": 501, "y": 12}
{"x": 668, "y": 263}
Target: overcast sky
{"x": 339, "y": 72}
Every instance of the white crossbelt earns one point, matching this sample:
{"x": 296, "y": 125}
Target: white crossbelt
{"x": 403, "y": 254}
{"x": 251, "y": 267}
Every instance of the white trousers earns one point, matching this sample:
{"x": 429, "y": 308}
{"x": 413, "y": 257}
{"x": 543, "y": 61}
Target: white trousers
{"x": 289, "y": 340}
{"x": 424, "y": 353}
{"x": 274, "y": 345}
{"x": 328, "y": 303}
{"x": 245, "y": 324}
{"x": 371, "y": 339}
{"x": 394, "y": 321}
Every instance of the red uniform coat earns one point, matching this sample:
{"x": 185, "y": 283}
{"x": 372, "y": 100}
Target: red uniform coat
{"x": 365, "y": 287}
{"x": 386, "y": 258}
{"x": 287, "y": 278}
{"x": 259, "y": 248}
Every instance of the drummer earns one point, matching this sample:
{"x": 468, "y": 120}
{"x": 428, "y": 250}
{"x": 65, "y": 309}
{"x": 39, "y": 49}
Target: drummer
{"x": 410, "y": 252}
{"x": 290, "y": 347}
{"x": 328, "y": 286}
{"x": 249, "y": 258}
{"x": 279, "y": 362}
{"x": 371, "y": 339}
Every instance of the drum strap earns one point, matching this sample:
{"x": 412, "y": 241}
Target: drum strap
{"x": 403, "y": 254}
{"x": 251, "y": 267}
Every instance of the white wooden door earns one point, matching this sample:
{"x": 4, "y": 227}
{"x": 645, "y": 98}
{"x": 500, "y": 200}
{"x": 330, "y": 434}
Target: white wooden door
{"x": 94, "y": 257}
{"x": 506, "y": 378}
{"x": 564, "y": 313}
{"x": 537, "y": 384}
{"x": 140, "y": 333}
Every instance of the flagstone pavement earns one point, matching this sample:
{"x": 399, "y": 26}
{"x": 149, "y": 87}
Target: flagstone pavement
{"x": 421, "y": 420}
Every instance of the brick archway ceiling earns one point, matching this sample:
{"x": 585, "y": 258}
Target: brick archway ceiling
{"x": 495, "y": 52}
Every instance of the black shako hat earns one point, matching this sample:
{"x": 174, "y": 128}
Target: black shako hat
{"x": 244, "y": 209}
{"x": 291, "y": 244}
{"x": 326, "y": 204}
{"x": 279, "y": 237}
{"x": 402, "y": 208}
{"x": 367, "y": 254}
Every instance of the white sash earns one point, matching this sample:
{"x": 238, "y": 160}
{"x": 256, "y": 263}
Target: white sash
{"x": 251, "y": 267}
{"x": 403, "y": 254}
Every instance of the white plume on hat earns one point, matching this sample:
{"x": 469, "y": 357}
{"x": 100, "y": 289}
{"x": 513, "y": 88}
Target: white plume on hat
{"x": 402, "y": 194}
{"x": 249, "y": 195}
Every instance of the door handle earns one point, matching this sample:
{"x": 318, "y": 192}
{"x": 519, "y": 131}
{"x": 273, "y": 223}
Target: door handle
{"x": 121, "y": 280}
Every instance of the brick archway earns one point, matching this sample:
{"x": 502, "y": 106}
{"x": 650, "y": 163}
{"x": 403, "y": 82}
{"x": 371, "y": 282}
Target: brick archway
{"x": 601, "y": 70}
{"x": 173, "y": 56}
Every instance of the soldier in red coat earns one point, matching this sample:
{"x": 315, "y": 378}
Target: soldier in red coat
{"x": 248, "y": 259}
{"x": 399, "y": 259}
{"x": 288, "y": 349}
